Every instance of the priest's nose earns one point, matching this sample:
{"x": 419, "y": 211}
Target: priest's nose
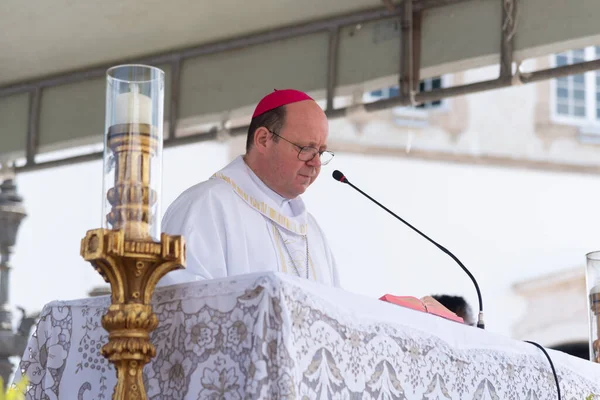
{"x": 315, "y": 162}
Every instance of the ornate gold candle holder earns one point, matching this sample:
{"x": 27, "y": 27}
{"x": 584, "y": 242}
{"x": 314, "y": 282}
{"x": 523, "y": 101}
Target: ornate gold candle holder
{"x": 129, "y": 251}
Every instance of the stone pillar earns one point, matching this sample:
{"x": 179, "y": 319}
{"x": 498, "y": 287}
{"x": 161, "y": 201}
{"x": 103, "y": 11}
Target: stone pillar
{"x": 12, "y": 213}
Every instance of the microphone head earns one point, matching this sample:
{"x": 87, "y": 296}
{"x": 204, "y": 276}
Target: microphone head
{"x": 338, "y": 176}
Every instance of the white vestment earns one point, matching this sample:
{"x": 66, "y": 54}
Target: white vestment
{"x": 234, "y": 224}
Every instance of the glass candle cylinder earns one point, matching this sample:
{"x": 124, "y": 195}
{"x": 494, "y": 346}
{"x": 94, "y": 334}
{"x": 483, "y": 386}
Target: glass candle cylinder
{"x": 592, "y": 278}
{"x": 133, "y": 151}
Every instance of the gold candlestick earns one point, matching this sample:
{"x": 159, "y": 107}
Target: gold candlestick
{"x": 132, "y": 197}
{"x": 126, "y": 252}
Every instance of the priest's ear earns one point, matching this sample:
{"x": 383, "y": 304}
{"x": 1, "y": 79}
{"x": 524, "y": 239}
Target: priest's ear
{"x": 261, "y": 138}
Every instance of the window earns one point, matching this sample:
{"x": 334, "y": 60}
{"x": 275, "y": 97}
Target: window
{"x": 428, "y": 85}
{"x": 391, "y": 91}
{"x": 425, "y": 85}
{"x": 577, "y": 97}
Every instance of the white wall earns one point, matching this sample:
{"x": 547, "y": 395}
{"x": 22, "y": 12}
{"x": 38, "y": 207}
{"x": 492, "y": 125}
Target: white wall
{"x": 504, "y": 224}
{"x": 63, "y": 203}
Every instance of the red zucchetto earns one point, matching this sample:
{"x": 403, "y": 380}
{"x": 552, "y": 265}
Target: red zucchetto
{"x": 279, "y": 98}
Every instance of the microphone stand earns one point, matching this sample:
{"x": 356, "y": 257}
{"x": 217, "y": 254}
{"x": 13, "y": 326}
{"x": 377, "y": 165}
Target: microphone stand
{"x": 340, "y": 177}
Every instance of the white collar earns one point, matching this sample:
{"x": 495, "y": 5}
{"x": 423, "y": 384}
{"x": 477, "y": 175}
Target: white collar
{"x": 273, "y": 195}
{"x": 263, "y": 199}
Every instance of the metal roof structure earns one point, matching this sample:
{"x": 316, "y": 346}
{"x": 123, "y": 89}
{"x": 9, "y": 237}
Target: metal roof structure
{"x": 220, "y": 57}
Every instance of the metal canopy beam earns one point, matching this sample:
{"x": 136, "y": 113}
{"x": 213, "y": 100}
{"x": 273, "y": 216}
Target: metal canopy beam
{"x": 423, "y": 97}
{"x": 509, "y": 14}
{"x": 346, "y": 44}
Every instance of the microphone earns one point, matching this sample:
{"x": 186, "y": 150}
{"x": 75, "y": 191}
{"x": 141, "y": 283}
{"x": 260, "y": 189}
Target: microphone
{"x": 338, "y": 176}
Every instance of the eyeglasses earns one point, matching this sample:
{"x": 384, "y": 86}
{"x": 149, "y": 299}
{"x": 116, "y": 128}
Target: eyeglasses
{"x": 307, "y": 153}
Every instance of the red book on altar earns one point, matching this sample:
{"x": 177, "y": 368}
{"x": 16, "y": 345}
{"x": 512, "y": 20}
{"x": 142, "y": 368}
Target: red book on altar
{"x": 427, "y": 304}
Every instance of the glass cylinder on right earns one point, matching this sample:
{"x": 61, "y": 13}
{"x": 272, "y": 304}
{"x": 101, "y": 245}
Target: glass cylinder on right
{"x": 592, "y": 279}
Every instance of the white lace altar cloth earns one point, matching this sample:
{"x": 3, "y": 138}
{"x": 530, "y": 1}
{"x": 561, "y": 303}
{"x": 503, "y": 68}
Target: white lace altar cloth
{"x": 273, "y": 336}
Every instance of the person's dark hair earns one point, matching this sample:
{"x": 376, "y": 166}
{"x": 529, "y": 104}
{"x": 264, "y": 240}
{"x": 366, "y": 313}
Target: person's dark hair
{"x": 576, "y": 349}
{"x": 273, "y": 120}
{"x": 458, "y": 305}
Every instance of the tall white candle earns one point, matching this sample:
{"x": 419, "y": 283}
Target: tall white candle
{"x": 133, "y": 108}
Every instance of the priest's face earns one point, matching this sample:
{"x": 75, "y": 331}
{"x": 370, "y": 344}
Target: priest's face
{"x": 305, "y": 125}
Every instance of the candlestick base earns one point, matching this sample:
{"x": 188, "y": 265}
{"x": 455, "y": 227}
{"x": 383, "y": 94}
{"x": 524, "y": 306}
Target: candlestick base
{"x": 133, "y": 268}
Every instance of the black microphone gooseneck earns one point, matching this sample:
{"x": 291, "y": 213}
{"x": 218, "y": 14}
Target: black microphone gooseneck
{"x": 338, "y": 176}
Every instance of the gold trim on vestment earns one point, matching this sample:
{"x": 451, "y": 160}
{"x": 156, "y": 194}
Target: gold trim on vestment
{"x": 279, "y": 249}
{"x": 264, "y": 208}
{"x": 312, "y": 267}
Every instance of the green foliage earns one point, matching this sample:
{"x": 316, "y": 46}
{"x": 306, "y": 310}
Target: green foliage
{"x": 16, "y": 392}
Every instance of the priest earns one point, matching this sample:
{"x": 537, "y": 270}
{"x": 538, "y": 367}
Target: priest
{"x": 249, "y": 216}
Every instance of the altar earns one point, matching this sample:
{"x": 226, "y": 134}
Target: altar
{"x": 275, "y": 336}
